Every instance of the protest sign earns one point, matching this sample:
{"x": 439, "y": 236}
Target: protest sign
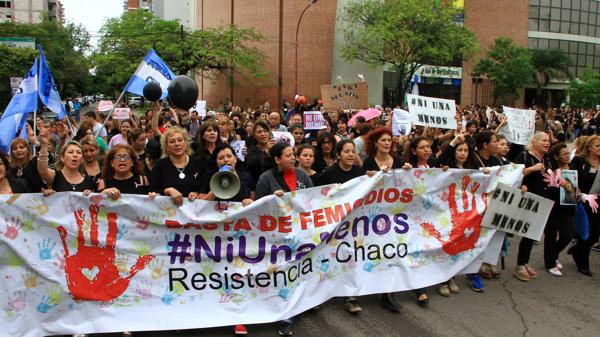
{"x": 238, "y": 146}
{"x": 520, "y": 125}
{"x": 488, "y": 113}
{"x": 121, "y": 113}
{"x": 104, "y": 106}
{"x": 73, "y": 264}
{"x": 200, "y": 107}
{"x": 284, "y": 136}
{"x": 522, "y": 214}
{"x": 568, "y": 187}
{"x": 432, "y": 112}
{"x": 313, "y": 120}
{"x": 401, "y": 122}
{"x": 345, "y": 96}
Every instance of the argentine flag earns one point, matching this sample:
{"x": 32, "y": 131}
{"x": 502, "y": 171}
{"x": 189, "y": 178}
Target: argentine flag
{"x": 48, "y": 92}
{"x": 22, "y": 103}
{"x": 152, "y": 69}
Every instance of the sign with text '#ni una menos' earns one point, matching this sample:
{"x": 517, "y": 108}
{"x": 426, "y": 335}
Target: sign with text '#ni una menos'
{"x": 74, "y": 264}
{"x": 432, "y": 112}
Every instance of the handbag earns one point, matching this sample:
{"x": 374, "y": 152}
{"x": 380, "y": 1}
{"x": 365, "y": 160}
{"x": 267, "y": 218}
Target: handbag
{"x": 582, "y": 223}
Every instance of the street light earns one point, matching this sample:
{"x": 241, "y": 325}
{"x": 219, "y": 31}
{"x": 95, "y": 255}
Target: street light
{"x": 310, "y": 3}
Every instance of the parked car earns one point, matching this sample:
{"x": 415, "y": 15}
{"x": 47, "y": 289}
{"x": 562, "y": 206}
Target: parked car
{"x": 135, "y": 102}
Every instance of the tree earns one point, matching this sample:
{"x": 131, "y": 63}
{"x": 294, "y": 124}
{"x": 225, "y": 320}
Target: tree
{"x": 549, "y": 64}
{"x": 585, "y": 91}
{"x": 213, "y": 52}
{"x": 14, "y": 62}
{"x": 508, "y": 65}
{"x": 404, "y": 34}
{"x": 64, "y": 47}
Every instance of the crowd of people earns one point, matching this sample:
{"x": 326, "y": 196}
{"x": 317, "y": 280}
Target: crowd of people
{"x": 174, "y": 153}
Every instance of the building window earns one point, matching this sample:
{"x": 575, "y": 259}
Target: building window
{"x": 5, "y": 4}
{"x": 534, "y": 12}
{"x": 555, "y": 26}
{"x": 566, "y": 4}
{"x": 533, "y": 25}
{"x": 565, "y": 27}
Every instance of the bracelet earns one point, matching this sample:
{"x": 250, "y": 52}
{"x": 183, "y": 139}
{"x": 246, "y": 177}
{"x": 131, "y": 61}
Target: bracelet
{"x": 43, "y": 159}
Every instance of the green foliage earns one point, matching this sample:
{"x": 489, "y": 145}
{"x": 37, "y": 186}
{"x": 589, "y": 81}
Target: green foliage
{"x": 404, "y": 34}
{"x": 14, "y": 62}
{"x": 585, "y": 91}
{"x": 64, "y": 47}
{"x": 508, "y": 65}
{"x": 213, "y": 52}
{"x": 549, "y": 64}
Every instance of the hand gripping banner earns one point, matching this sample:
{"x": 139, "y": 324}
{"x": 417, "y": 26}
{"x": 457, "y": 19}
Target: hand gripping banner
{"x": 71, "y": 264}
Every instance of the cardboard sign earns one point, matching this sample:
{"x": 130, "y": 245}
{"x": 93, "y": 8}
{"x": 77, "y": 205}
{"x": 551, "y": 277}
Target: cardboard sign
{"x": 520, "y": 125}
{"x": 121, "y": 113}
{"x": 513, "y": 212}
{"x": 432, "y": 112}
{"x": 345, "y": 96}
{"x": 238, "y": 146}
{"x": 401, "y": 122}
{"x": 283, "y": 136}
{"x": 313, "y": 120}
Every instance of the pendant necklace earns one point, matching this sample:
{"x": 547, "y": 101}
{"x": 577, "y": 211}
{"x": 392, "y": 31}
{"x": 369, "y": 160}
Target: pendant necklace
{"x": 181, "y": 174}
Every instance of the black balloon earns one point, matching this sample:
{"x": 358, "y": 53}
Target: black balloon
{"x": 183, "y": 92}
{"x": 152, "y": 91}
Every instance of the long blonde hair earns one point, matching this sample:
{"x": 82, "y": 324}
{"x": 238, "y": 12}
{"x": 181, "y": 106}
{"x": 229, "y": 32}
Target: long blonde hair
{"x": 585, "y": 150}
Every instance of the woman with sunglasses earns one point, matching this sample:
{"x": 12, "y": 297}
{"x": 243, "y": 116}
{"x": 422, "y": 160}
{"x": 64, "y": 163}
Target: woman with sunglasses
{"x": 123, "y": 173}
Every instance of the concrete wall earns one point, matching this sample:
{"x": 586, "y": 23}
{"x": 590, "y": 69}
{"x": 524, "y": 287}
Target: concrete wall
{"x": 182, "y": 10}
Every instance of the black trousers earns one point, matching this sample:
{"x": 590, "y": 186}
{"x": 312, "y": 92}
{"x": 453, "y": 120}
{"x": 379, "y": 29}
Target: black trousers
{"x": 581, "y": 250}
{"x": 560, "y": 223}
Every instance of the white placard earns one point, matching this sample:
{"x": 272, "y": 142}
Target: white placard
{"x": 121, "y": 113}
{"x": 522, "y": 214}
{"x": 313, "y": 120}
{"x": 200, "y": 107}
{"x": 432, "y": 112}
{"x": 401, "y": 122}
{"x": 284, "y": 136}
{"x": 520, "y": 125}
{"x": 238, "y": 146}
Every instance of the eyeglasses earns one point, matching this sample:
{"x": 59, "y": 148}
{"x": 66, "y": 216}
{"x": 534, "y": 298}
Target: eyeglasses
{"x": 122, "y": 157}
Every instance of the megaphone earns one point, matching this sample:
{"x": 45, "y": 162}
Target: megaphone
{"x": 225, "y": 184}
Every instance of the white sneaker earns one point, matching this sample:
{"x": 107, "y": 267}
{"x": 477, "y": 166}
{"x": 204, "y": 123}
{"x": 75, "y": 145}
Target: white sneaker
{"x": 555, "y": 271}
{"x": 559, "y": 265}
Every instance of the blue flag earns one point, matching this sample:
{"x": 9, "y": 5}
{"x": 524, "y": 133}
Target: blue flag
{"x": 23, "y": 102}
{"x": 152, "y": 69}
{"x": 48, "y": 92}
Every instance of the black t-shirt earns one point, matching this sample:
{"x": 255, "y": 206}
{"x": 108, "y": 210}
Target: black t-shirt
{"x": 133, "y": 185}
{"x": 61, "y": 184}
{"x": 165, "y": 175}
{"x": 371, "y": 165}
{"x": 336, "y": 175}
{"x": 255, "y": 162}
{"x": 247, "y": 185}
{"x": 18, "y": 185}
{"x": 30, "y": 174}
{"x": 585, "y": 174}
{"x": 535, "y": 180}
{"x": 482, "y": 162}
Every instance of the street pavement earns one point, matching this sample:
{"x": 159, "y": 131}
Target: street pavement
{"x": 546, "y": 307}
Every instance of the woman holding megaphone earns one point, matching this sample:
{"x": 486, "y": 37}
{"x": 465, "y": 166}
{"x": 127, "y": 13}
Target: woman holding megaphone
{"x": 223, "y": 159}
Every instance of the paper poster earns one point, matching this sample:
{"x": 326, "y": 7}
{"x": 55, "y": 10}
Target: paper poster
{"x": 432, "y": 112}
{"x": 313, "y": 120}
{"x": 284, "y": 136}
{"x": 200, "y": 107}
{"x": 104, "y": 106}
{"x": 345, "y": 96}
{"x": 568, "y": 187}
{"x": 401, "y": 122}
{"x": 121, "y": 113}
{"x": 238, "y": 146}
{"x": 520, "y": 125}
{"x": 522, "y": 214}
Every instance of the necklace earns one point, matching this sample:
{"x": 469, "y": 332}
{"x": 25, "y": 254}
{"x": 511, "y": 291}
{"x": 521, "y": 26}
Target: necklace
{"x": 180, "y": 170}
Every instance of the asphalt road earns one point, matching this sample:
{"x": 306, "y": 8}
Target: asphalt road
{"x": 546, "y": 307}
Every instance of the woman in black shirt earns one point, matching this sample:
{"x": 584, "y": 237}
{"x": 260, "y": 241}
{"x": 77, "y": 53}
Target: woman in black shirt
{"x": 177, "y": 174}
{"x": 379, "y": 152}
{"x": 23, "y": 165}
{"x": 123, "y": 173}
{"x": 324, "y": 157}
{"x": 535, "y": 160}
{"x": 9, "y": 184}
{"x": 344, "y": 169}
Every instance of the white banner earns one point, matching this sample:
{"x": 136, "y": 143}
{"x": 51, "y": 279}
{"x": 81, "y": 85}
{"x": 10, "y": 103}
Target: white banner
{"x": 432, "y": 112}
{"x": 522, "y": 214}
{"x": 520, "y": 125}
{"x": 401, "y": 122}
{"x": 71, "y": 264}
{"x": 200, "y": 107}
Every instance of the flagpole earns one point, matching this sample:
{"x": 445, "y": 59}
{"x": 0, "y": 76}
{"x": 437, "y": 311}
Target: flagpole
{"x": 111, "y": 112}
{"x": 34, "y": 130}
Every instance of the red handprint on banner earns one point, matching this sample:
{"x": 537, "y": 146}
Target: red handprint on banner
{"x": 466, "y": 225}
{"x": 107, "y": 284}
